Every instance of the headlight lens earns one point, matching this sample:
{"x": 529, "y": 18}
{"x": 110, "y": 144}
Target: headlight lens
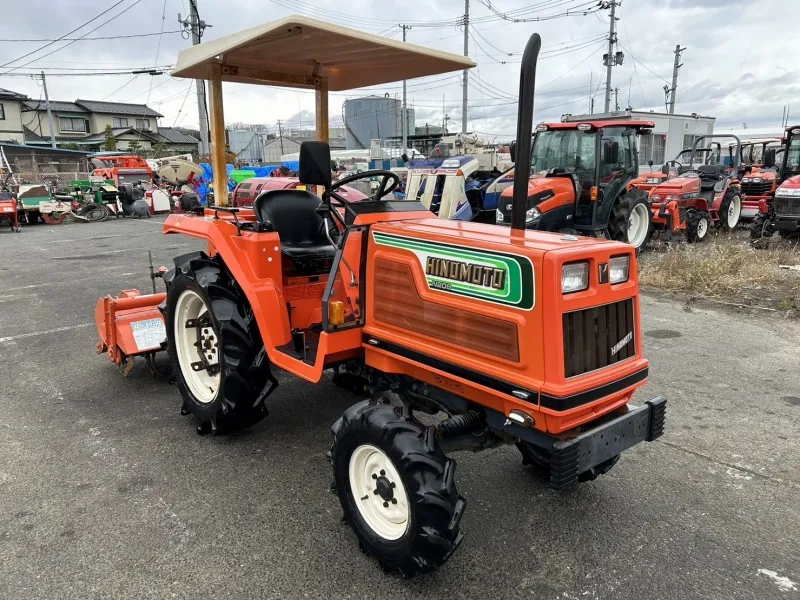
{"x": 574, "y": 277}
{"x": 499, "y": 216}
{"x": 619, "y": 268}
{"x": 532, "y": 214}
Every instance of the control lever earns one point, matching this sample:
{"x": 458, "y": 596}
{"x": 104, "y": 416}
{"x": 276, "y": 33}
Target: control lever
{"x": 353, "y": 281}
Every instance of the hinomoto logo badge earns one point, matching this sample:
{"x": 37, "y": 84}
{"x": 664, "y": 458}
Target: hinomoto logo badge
{"x": 496, "y": 277}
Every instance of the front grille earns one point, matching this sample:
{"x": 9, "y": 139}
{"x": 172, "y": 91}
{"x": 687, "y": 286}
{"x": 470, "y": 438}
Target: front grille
{"x": 753, "y": 188}
{"x": 598, "y": 337}
{"x": 787, "y": 206}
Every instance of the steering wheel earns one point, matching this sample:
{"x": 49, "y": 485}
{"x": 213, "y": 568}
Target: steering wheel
{"x": 387, "y": 177}
{"x": 678, "y": 165}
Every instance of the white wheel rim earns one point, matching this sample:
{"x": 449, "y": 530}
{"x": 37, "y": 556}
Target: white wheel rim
{"x": 382, "y": 506}
{"x": 734, "y": 212}
{"x": 203, "y": 385}
{"x": 702, "y": 228}
{"x": 638, "y": 223}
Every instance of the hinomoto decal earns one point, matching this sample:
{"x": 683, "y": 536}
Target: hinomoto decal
{"x": 486, "y": 275}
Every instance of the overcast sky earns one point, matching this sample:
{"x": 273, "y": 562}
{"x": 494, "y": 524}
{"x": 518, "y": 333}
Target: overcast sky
{"x": 739, "y": 65}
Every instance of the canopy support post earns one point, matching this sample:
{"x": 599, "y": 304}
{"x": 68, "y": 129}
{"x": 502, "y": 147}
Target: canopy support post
{"x": 218, "y": 137}
{"x": 322, "y": 110}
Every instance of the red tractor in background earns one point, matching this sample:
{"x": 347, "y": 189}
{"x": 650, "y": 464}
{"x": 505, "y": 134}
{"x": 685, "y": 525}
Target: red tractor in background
{"x": 697, "y": 199}
{"x": 9, "y": 210}
{"x": 245, "y": 194}
{"x": 647, "y": 181}
{"x": 580, "y": 181}
{"x": 781, "y": 212}
{"x": 760, "y": 177}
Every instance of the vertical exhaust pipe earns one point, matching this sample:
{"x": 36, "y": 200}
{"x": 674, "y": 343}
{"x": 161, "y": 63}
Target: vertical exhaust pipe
{"x": 522, "y": 166}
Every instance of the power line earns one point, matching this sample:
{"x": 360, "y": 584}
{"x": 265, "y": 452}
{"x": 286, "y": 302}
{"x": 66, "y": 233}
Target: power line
{"x": 131, "y": 80}
{"x": 84, "y": 39}
{"x": 63, "y": 36}
{"x": 644, "y": 65}
{"x": 70, "y": 43}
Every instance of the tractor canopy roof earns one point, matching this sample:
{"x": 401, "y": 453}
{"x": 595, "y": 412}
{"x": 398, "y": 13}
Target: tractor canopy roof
{"x": 297, "y": 51}
{"x": 596, "y": 124}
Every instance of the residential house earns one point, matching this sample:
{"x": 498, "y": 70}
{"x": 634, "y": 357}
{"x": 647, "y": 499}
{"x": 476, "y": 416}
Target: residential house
{"x": 11, "y": 129}
{"x": 83, "y": 124}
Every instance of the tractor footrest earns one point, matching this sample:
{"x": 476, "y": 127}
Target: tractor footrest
{"x": 619, "y": 432}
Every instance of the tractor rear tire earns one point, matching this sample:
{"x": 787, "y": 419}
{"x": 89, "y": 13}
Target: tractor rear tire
{"x": 697, "y": 225}
{"x": 539, "y": 460}
{"x": 631, "y": 217}
{"x": 730, "y": 211}
{"x": 396, "y": 488}
{"x": 229, "y": 396}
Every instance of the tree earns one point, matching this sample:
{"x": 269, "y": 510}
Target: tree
{"x": 70, "y": 146}
{"x": 111, "y": 142}
{"x": 134, "y": 146}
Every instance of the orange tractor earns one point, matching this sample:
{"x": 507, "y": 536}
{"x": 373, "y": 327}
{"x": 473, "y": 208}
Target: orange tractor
{"x": 693, "y": 200}
{"x": 507, "y": 335}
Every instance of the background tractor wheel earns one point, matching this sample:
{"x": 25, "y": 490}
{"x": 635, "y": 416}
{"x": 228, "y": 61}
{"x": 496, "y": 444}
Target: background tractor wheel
{"x": 217, "y": 355}
{"x": 697, "y": 224}
{"x": 539, "y": 460}
{"x": 396, "y": 488}
{"x": 631, "y": 220}
{"x": 730, "y": 211}
{"x": 759, "y": 228}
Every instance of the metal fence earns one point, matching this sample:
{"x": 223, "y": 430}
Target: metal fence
{"x": 57, "y": 180}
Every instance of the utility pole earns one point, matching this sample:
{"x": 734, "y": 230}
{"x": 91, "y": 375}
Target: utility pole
{"x": 466, "y": 71}
{"x": 611, "y": 59}
{"x": 678, "y": 64}
{"x": 280, "y": 136}
{"x": 196, "y": 27}
{"x": 49, "y": 112}
{"x": 404, "y": 117}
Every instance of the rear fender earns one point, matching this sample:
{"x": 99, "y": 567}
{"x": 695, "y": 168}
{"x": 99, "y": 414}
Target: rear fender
{"x": 254, "y": 260}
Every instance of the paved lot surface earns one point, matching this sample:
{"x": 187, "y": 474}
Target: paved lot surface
{"x": 107, "y": 492}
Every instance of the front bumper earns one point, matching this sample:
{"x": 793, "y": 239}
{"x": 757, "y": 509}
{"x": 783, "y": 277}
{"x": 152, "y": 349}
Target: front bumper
{"x": 615, "y": 434}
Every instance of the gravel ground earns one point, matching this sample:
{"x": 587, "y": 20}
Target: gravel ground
{"x": 107, "y": 492}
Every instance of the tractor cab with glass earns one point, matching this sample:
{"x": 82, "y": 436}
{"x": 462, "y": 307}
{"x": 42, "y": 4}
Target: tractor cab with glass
{"x": 581, "y": 173}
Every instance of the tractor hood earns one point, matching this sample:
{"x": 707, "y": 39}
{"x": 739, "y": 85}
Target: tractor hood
{"x": 758, "y": 176}
{"x": 544, "y": 193}
{"x": 676, "y": 185}
{"x": 793, "y": 184}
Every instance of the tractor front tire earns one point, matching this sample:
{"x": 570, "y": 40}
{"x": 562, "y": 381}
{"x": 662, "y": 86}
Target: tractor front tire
{"x": 730, "y": 211}
{"x": 759, "y": 228}
{"x": 631, "y": 220}
{"x": 217, "y": 355}
{"x": 697, "y": 225}
{"x": 396, "y": 488}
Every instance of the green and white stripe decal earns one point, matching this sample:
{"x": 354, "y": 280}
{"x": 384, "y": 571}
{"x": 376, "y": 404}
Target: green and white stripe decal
{"x": 502, "y": 278}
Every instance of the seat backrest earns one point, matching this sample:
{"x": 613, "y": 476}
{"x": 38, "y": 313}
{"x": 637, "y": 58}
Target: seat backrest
{"x": 293, "y": 214}
{"x": 709, "y": 171}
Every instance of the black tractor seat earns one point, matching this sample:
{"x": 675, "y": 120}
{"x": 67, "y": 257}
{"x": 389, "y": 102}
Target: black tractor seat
{"x": 293, "y": 215}
{"x": 710, "y": 176}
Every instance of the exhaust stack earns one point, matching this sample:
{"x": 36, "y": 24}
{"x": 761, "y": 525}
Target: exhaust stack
{"x": 522, "y": 165}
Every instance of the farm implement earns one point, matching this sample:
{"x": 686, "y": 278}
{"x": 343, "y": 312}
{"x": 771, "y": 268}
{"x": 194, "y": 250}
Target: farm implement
{"x": 508, "y": 335}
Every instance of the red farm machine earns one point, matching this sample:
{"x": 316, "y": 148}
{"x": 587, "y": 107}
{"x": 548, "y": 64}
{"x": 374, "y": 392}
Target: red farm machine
{"x": 780, "y": 212}
{"x": 693, "y": 201}
{"x": 501, "y": 335}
